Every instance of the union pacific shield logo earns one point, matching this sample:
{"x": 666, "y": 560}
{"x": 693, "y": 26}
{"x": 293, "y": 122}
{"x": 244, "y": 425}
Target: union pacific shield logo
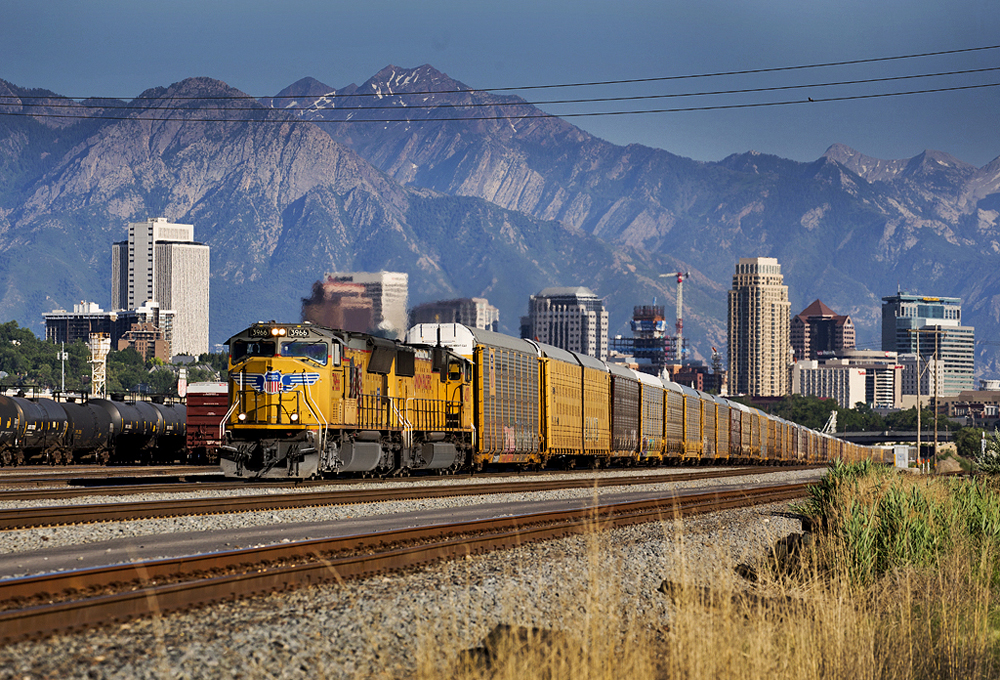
{"x": 273, "y": 382}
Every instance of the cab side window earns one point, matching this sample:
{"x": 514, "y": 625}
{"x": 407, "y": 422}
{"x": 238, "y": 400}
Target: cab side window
{"x": 300, "y": 349}
{"x": 243, "y": 348}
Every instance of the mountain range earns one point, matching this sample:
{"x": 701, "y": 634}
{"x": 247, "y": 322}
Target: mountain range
{"x": 413, "y": 171}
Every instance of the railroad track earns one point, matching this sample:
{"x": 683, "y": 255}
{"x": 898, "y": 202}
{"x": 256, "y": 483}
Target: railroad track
{"x": 23, "y": 518}
{"x": 49, "y": 476}
{"x": 42, "y": 605}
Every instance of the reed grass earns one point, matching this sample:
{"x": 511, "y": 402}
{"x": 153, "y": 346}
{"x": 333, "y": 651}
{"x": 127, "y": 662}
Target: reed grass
{"x": 899, "y": 583}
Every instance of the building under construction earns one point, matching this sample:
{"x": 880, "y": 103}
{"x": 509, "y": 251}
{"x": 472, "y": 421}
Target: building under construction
{"x": 649, "y": 330}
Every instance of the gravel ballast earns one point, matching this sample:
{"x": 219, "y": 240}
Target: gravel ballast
{"x": 25, "y": 540}
{"x": 385, "y": 626}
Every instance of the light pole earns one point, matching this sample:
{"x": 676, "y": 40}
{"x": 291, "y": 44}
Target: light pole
{"x": 936, "y": 332}
{"x": 62, "y": 358}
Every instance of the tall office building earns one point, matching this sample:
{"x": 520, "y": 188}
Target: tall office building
{"x": 818, "y": 329}
{"x": 760, "y": 349}
{"x": 573, "y": 319}
{"x": 918, "y": 324}
{"x": 161, "y": 262}
{"x": 388, "y": 292}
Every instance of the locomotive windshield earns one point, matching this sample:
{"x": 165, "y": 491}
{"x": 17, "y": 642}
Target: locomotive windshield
{"x": 242, "y": 349}
{"x": 301, "y": 349}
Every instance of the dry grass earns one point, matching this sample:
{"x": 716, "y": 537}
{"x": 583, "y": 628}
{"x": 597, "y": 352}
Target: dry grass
{"x": 925, "y": 610}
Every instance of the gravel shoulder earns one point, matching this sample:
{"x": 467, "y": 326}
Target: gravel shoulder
{"x": 388, "y": 626}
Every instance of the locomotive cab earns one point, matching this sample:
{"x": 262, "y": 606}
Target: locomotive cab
{"x": 278, "y": 417}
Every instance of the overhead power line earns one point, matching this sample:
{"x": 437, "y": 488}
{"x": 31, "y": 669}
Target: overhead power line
{"x": 589, "y": 100}
{"x": 624, "y": 81}
{"x": 510, "y": 117}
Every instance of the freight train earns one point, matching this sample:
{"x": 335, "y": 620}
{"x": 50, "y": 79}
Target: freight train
{"x": 41, "y": 430}
{"x": 308, "y": 401}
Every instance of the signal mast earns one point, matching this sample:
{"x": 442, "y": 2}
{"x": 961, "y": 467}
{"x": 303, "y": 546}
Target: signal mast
{"x": 678, "y": 340}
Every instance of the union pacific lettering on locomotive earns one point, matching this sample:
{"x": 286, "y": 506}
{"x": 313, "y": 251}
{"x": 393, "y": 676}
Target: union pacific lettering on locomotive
{"x": 308, "y": 401}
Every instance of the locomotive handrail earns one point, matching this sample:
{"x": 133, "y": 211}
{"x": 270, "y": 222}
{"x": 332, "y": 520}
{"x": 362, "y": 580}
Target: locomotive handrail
{"x": 318, "y": 416}
{"x": 225, "y": 418}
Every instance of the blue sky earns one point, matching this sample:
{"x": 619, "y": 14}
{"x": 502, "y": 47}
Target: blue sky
{"x": 121, "y": 47}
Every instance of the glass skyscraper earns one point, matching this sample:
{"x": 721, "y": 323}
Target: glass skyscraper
{"x": 920, "y": 324}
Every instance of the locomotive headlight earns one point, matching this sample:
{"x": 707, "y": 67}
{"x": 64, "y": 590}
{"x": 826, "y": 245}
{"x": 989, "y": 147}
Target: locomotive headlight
{"x": 278, "y": 331}
{"x": 295, "y": 417}
{"x": 241, "y": 417}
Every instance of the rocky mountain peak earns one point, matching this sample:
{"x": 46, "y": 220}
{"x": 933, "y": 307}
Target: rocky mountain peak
{"x": 931, "y": 161}
{"x": 305, "y": 90}
{"x": 425, "y": 78}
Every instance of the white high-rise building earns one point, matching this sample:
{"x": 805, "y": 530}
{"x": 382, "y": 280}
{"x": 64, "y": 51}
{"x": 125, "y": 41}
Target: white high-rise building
{"x": 932, "y": 327}
{"x": 571, "y": 318}
{"x": 161, "y": 262}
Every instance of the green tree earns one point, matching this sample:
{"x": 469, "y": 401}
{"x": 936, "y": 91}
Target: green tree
{"x": 162, "y": 381}
{"x": 988, "y": 460}
{"x": 968, "y": 442}
{"x": 126, "y": 370}
{"x": 219, "y": 362}
{"x": 907, "y": 421}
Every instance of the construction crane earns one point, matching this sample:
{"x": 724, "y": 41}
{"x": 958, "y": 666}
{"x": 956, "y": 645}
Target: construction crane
{"x": 681, "y": 278}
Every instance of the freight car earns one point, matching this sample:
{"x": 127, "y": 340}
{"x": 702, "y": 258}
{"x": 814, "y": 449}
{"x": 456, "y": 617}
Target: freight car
{"x": 41, "y": 430}
{"x": 207, "y": 403}
{"x": 310, "y": 401}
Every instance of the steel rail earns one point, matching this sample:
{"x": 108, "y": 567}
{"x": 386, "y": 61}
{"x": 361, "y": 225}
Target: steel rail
{"x": 45, "y": 474}
{"x": 321, "y": 560}
{"x": 209, "y": 483}
{"x": 56, "y": 515}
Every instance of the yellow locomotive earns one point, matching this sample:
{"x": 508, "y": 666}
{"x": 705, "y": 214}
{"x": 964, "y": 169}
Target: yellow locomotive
{"x": 308, "y": 401}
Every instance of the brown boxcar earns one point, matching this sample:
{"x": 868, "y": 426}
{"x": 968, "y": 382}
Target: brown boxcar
{"x": 674, "y": 425}
{"x": 710, "y": 425}
{"x": 723, "y": 427}
{"x": 693, "y": 430}
{"x": 207, "y": 404}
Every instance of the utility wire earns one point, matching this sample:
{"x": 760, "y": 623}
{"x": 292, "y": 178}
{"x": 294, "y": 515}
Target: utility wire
{"x": 627, "y": 81}
{"x": 591, "y": 100}
{"x": 512, "y": 117}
